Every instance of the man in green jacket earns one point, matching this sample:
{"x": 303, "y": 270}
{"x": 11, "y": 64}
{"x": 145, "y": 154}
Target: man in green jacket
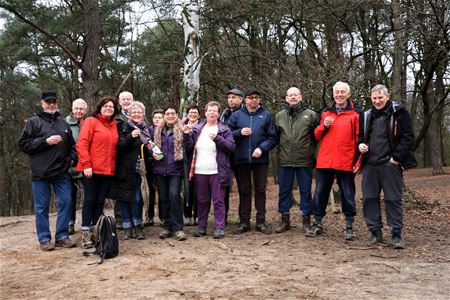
{"x": 295, "y": 126}
{"x": 75, "y": 119}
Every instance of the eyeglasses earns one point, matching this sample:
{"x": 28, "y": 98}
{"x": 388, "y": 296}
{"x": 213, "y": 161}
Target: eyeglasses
{"x": 170, "y": 113}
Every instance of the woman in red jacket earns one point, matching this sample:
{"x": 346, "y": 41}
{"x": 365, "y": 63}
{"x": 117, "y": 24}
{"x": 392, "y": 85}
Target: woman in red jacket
{"x": 338, "y": 134}
{"x": 96, "y": 148}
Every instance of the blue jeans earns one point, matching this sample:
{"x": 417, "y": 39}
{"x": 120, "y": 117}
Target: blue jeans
{"x": 132, "y": 211}
{"x": 42, "y": 194}
{"x": 304, "y": 181}
{"x": 171, "y": 203}
{"x": 96, "y": 190}
{"x": 346, "y": 183}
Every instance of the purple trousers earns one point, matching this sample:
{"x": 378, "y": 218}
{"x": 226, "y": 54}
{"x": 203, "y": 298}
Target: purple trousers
{"x": 207, "y": 188}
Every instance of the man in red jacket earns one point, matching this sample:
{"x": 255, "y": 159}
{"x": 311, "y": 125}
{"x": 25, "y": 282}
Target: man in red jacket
{"x": 338, "y": 134}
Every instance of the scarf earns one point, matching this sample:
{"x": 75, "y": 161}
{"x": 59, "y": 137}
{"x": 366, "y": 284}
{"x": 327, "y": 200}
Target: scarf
{"x": 177, "y": 139}
{"x": 144, "y": 132}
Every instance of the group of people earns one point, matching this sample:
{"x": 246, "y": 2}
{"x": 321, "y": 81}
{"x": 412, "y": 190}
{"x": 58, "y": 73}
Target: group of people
{"x": 197, "y": 157}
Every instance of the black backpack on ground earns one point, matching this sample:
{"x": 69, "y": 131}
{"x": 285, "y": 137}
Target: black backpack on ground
{"x": 106, "y": 241}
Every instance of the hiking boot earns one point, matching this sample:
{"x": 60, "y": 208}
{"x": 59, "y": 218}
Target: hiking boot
{"x": 306, "y": 222}
{"x": 314, "y": 230}
{"x": 243, "y": 227}
{"x": 140, "y": 233}
{"x": 397, "y": 242}
{"x": 219, "y": 233}
{"x": 165, "y": 234}
{"x": 285, "y": 224}
{"x": 263, "y": 228}
{"x": 375, "y": 238}
{"x": 149, "y": 222}
{"x": 66, "y": 243}
{"x": 47, "y": 246}
{"x": 349, "y": 234}
{"x": 119, "y": 225}
{"x": 180, "y": 235}
{"x": 127, "y": 234}
{"x": 71, "y": 229}
{"x": 86, "y": 241}
{"x": 200, "y": 231}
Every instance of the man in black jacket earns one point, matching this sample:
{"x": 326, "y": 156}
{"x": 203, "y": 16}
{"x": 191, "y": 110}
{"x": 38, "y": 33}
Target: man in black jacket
{"x": 385, "y": 141}
{"x": 48, "y": 141}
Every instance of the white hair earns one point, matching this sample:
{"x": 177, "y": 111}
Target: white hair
{"x": 125, "y": 94}
{"x": 341, "y": 83}
{"x": 80, "y": 101}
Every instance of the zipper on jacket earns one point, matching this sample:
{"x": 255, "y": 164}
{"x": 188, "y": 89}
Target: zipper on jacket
{"x": 250, "y": 141}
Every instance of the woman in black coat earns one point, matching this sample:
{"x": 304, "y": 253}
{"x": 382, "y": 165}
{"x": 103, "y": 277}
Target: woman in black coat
{"x": 126, "y": 188}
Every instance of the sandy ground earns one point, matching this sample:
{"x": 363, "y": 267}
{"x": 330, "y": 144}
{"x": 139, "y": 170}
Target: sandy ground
{"x": 249, "y": 266}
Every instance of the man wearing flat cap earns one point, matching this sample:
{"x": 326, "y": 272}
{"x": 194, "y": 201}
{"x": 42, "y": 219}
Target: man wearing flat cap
{"x": 255, "y": 135}
{"x": 234, "y": 98}
{"x": 48, "y": 141}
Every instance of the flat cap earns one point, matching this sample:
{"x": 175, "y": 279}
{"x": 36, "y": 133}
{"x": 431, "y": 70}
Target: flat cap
{"x": 46, "y": 96}
{"x": 237, "y": 92}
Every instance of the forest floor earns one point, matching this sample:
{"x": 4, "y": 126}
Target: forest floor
{"x": 248, "y": 266}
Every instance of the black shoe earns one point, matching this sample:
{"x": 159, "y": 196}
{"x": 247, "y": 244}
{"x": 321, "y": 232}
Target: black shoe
{"x": 285, "y": 224}
{"x": 397, "y": 242}
{"x": 375, "y": 238}
{"x": 200, "y": 231}
{"x": 263, "y": 228}
{"x": 314, "y": 230}
{"x": 306, "y": 222}
{"x": 349, "y": 234}
{"x": 219, "y": 233}
{"x": 243, "y": 227}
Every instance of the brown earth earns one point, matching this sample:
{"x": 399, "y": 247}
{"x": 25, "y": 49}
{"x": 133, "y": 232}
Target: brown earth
{"x": 249, "y": 266}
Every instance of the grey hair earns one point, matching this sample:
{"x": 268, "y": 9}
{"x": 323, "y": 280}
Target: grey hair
{"x": 136, "y": 104}
{"x": 124, "y": 94}
{"x": 80, "y": 101}
{"x": 344, "y": 84}
{"x": 380, "y": 88}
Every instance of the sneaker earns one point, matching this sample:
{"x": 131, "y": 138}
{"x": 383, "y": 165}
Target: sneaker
{"x": 200, "y": 231}
{"x": 397, "y": 242}
{"x": 47, "y": 246}
{"x": 314, "y": 230}
{"x": 263, "y": 228}
{"x": 86, "y": 241}
{"x": 180, "y": 235}
{"x": 349, "y": 235}
{"x": 71, "y": 229}
{"x": 165, "y": 234}
{"x": 66, "y": 243}
{"x": 375, "y": 238}
{"x": 219, "y": 233}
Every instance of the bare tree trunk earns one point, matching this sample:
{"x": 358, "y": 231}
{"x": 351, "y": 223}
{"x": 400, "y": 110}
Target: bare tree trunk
{"x": 90, "y": 64}
{"x": 397, "y": 68}
{"x": 192, "y": 61}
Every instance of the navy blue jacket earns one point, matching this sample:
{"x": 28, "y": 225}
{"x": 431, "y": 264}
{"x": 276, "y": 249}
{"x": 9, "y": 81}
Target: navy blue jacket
{"x": 264, "y": 134}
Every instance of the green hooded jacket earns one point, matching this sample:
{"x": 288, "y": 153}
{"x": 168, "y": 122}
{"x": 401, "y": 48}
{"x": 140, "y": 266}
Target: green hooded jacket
{"x": 296, "y": 136}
